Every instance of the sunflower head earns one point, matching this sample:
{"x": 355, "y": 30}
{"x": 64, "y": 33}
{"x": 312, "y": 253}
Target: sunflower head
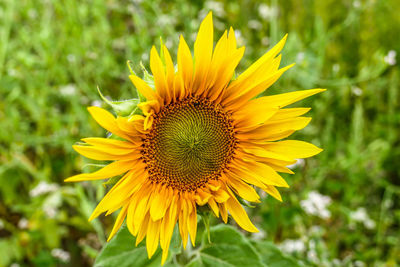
{"x": 200, "y": 139}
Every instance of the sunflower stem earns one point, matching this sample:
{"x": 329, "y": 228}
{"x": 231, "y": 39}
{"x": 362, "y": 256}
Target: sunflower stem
{"x": 206, "y": 221}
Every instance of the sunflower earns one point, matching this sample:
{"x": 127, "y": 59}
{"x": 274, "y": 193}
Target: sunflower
{"x": 201, "y": 138}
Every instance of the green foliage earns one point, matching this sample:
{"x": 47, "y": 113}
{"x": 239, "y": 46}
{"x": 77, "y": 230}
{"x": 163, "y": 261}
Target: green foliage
{"x": 228, "y": 248}
{"x": 121, "y": 251}
{"x": 53, "y": 55}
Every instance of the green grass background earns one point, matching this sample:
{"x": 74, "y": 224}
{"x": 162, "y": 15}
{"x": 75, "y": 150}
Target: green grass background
{"x": 53, "y": 54}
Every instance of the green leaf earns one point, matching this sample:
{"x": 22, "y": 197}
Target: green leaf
{"x": 123, "y": 107}
{"x": 147, "y": 77}
{"x": 228, "y": 248}
{"x": 121, "y": 252}
{"x": 272, "y": 256}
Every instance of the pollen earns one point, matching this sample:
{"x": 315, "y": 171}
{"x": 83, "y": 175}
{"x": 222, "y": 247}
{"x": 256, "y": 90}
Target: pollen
{"x": 191, "y": 142}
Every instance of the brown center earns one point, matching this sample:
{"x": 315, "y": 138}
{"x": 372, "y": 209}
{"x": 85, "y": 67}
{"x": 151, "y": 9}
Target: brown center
{"x": 190, "y": 142}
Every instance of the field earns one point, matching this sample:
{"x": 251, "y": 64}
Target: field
{"x": 343, "y": 205}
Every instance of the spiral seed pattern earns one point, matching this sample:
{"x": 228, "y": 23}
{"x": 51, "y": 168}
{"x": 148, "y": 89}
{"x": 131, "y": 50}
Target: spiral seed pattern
{"x": 191, "y": 142}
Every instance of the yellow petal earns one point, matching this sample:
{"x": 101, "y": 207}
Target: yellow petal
{"x": 142, "y": 206}
{"x": 108, "y": 143}
{"x": 148, "y": 107}
{"x": 169, "y": 225}
{"x": 240, "y": 215}
{"x": 262, "y": 61}
{"x": 160, "y": 79}
{"x": 143, "y": 230}
{"x": 243, "y": 190}
{"x": 282, "y": 100}
{"x": 253, "y": 91}
{"x": 192, "y": 225}
{"x": 220, "y": 195}
{"x": 113, "y": 169}
{"x": 202, "y": 197}
{"x": 106, "y": 120}
{"x": 288, "y": 113}
{"x": 159, "y": 204}
{"x": 264, "y": 173}
{"x": 214, "y": 207}
{"x": 93, "y": 152}
{"x": 214, "y": 185}
{"x": 255, "y": 74}
{"x": 144, "y": 88}
{"x": 279, "y": 168}
{"x": 185, "y": 64}
{"x": 224, "y": 212}
{"x": 274, "y": 130}
{"x": 218, "y": 58}
{"x": 225, "y": 74}
{"x": 239, "y": 173}
{"x": 273, "y": 192}
{"x": 203, "y": 48}
{"x": 293, "y": 148}
{"x": 110, "y": 148}
{"x": 153, "y": 235}
{"x": 129, "y": 216}
{"x": 252, "y": 115}
{"x": 118, "y": 222}
{"x": 170, "y": 74}
{"x": 259, "y": 151}
{"x": 179, "y": 89}
{"x": 183, "y": 223}
{"x": 116, "y": 196}
{"x": 231, "y": 39}
{"x": 148, "y": 122}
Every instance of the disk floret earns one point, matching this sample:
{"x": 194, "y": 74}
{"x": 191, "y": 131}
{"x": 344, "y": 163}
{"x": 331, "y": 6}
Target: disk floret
{"x": 191, "y": 142}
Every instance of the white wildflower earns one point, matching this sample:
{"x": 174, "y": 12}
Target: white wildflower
{"x": 32, "y": 13}
{"x": 216, "y": 7}
{"x": 96, "y": 103}
{"x": 316, "y": 229}
{"x": 239, "y": 37}
{"x": 300, "y": 57}
{"x": 316, "y": 204}
{"x": 91, "y": 55}
{"x": 71, "y": 58}
{"x": 168, "y": 44}
{"x": 356, "y": 4}
{"x": 260, "y": 235}
{"x": 15, "y": 265}
{"x": 312, "y": 256}
{"x": 293, "y": 246}
{"x": 265, "y": 41}
{"x": 61, "y": 254}
{"x": 298, "y": 163}
{"x": 359, "y": 264}
{"x": 23, "y": 223}
{"x": 361, "y": 215}
{"x": 165, "y": 20}
{"x": 68, "y": 90}
{"x": 43, "y": 188}
{"x": 336, "y": 67}
{"x": 390, "y": 58}
{"x": 50, "y": 211}
{"x": 356, "y": 90}
{"x": 12, "y": 72}
{"x": 145, "y": 57}
{"x": 267, "y": 12}
{"x": 337, "y": 262}
{"x": 254, "y": 24}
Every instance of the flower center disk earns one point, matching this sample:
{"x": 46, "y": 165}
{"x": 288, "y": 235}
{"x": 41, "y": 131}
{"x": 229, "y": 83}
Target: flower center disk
{"x": 190, "y": 142}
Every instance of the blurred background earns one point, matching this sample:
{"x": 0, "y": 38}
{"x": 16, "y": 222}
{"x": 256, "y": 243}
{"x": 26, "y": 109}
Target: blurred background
{"x": 343, "y": 207}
